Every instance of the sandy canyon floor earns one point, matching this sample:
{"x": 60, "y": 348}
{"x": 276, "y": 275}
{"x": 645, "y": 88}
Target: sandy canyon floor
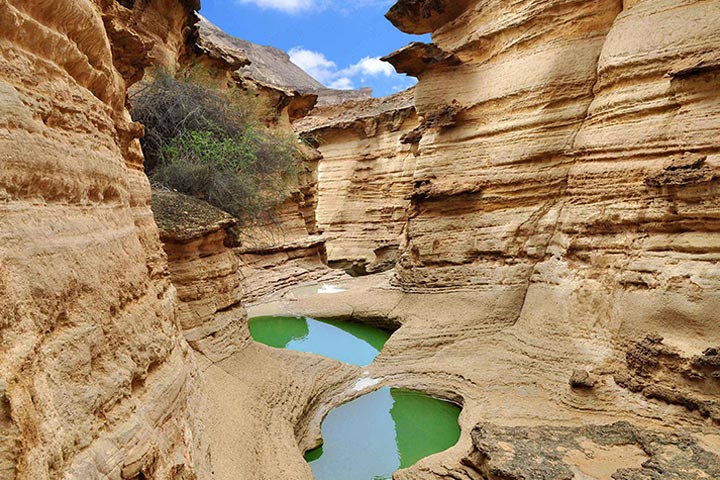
{"x": 512, "y": 379}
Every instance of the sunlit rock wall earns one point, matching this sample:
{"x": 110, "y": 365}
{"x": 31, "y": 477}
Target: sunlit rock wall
{"x": 204, "y": 271}
{"x": 95, "y": 379}
{"x": 571, "y": 146}
{"x": 364, "y": 178}
{"x": 567, "y": 181}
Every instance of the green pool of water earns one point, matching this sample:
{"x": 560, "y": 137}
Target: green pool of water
{"x": 353, "y": 343}
{"x": 374, "y": 435}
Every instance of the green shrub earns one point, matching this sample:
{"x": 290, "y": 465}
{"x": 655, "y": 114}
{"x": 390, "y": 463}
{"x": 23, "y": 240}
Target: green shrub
{"x": 210, "y": 143}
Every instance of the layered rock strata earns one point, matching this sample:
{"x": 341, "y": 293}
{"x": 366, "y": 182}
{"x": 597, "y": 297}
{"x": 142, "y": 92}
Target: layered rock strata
{"x": 559, "y": 269}
{"x": 149, "y": 34}
{"x": 96, "y": 380}
{"x": 565, "y": 196}
{"x": 364, "y": 178}
{"x": 288, "y": 248}
{"x": 204, "y": 271}
{"x": 603, "y": 168}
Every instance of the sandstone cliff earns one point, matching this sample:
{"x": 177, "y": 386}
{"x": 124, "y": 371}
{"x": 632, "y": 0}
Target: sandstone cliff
{"x": 285, "y": 248}
{"x": 599, "y": 164}
{"x": 204, "y": 270}
{"x": 559, "y": 271}
{"x": 566, "y": 181}
{"x": 95, "y": 379}
{"x": 364, "y": 178}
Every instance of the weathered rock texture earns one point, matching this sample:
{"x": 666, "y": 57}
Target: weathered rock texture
{"x": 95, "y": 379}
{"x": 588, "y": 151}
{"x": 562, "y": 233}
{"x": 151, "y": 34}
{"x": 364, "y": 177}
{"x": 288, "y": 248}
{"x": 559, "y": 272}
{"x": 660, "y": 372}
{"x": 595, "y": 173}
{"x": 621, "y": 450}
{"x": 204, "y": 270}
{"x": 566, "y": 187}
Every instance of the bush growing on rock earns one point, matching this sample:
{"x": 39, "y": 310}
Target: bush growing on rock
{"x": 210, "y": 143}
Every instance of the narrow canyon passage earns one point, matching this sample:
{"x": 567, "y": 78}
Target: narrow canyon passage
{"x": 526, "y": 232}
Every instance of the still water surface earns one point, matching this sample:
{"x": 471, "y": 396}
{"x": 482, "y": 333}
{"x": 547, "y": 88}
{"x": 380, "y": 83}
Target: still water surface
{"x": 371, "y": 437}
{"x": 349, "y": 342}
{"x": 374, "y": 435}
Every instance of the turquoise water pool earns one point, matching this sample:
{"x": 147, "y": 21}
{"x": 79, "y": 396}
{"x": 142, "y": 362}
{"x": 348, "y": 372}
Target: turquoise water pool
{"x": 349, "y": 342}
{"x": 374, "y": 435}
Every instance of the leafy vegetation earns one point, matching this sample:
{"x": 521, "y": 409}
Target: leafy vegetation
{"x": 209, "y": 142}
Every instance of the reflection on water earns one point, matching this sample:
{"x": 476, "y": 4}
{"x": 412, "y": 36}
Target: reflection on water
{"x": 374, "y": 435}
{"x": 348, "y": 342}
{"x": 378, "y": 433}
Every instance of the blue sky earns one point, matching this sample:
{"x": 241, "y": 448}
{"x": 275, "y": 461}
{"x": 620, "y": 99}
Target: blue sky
{"x": 338, "y": 42}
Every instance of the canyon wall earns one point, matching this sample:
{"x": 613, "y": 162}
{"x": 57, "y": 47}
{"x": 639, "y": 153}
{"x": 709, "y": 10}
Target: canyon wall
{"x": 364, "y": 178}
{"x": 204, "y": 271}
{"x": 95, "y": 379}
{"x": 576, "y": 149}
{"x": 285, "y": 248}
{"x": 559, "y": 269}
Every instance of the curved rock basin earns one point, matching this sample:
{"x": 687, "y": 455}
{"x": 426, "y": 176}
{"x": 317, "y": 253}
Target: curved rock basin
{"x": 374, "y": 435}
{"x": 352, "y": 343}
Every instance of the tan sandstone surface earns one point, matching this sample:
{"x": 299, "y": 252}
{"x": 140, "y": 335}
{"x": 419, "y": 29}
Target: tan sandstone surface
{"x": 364, "y": 177}
{"x": 559, "y": 272}
{"x": 97, "y": 381}
{"x": 558, "y": 275}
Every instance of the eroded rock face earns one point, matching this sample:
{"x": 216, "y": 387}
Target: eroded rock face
{"x": 96, "y": 380}
{"x": 364, "y": 178}
{"x": 282, "y": 252}
{"x": 494, "y": 174}
{"x": 204, "y": 270}
{"x": 599, "y": 170}
{"x": 566, "y": 189}
{"x": 661, "y": 372}
{"x": 155, "y": 34}
{"x": 565, "y": 453}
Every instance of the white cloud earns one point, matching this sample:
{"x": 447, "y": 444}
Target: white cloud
{"x": 342, "y": 83}
{"x": 373, "y": 67}
{"x": 297, "y": 6}
{"x": 326, "y": 71}
{"x": 314, "y": 63}
{"x": 287, "y": 6}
